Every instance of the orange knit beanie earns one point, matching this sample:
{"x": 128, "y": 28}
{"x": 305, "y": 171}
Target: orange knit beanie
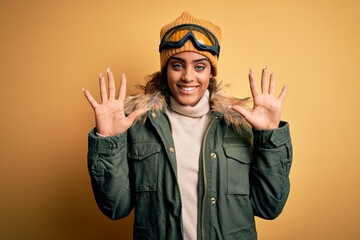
{"x": 187, "y": 18}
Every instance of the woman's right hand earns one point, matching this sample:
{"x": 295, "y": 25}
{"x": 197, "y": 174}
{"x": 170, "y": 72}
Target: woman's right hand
{"x": 110, "y": 114}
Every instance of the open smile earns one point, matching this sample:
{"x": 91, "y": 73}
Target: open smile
{"x": 187, "y": 89}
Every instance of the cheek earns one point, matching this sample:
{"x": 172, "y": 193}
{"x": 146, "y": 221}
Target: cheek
{"x": 206, "y": 82}
{"x": 170, "y": 80}
{"x": 171, "y": 83}
{"x": 207, "y": 77}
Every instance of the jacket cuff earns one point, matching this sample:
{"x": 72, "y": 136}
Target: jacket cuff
{"x": 103, "y": 145}
{"x": 272, "y": 138}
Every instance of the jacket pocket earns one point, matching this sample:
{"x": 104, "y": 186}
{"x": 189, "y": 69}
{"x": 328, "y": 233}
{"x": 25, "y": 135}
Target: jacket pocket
{"x": 141, "y": 233}
{"x": 248, "y": 233}
{"x": 238, "y": 167}
{"x": 145, "y": 156}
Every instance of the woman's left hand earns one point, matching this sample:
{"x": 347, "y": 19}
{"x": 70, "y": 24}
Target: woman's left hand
{"x": 266, "y": 112}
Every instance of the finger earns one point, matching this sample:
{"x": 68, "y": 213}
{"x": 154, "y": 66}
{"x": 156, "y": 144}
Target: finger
{"x": 103, "y": 92}
{"x": 272, "y": 84}
{"x": 253, "y": 87}
{"x": 122, "y": 91}
{"x": 90, "y": 98}
{"x": 283, "y": 93}
{"x": 264, "y": 81}
{"x": 111, "y": 83}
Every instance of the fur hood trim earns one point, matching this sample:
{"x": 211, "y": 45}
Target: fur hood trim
{"x": 219, "y": 102}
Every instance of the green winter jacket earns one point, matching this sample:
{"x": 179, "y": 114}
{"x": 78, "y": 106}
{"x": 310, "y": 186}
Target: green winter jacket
{"x": 242, "y": 174}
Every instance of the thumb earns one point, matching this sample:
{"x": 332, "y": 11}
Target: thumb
{"x": 135, "y": 115}
{"x": 245, "y": 113}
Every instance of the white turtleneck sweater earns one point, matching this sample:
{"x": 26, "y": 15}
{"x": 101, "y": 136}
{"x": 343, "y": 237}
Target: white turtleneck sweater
{"x": 188, "y": 125}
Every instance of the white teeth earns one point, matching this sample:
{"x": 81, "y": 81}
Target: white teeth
{"x": 187, "y": 89}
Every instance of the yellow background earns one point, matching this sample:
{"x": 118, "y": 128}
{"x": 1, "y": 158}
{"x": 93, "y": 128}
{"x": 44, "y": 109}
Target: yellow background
{"x": 50, "y": 50}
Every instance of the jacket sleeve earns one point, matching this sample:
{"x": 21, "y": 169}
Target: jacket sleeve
{"x": 269, "y": 174}
{"x": 109, "y": 171}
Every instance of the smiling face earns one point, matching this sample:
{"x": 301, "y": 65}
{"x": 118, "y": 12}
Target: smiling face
{"x": 188, "y": 75}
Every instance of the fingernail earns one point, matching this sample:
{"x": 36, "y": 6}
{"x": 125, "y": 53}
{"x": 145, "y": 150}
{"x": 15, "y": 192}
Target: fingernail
{"x": 250, "y": 70}
{"x": 265, "y": 67}
{"x": 108, "y": 70}
{"x": 100, "y": 75}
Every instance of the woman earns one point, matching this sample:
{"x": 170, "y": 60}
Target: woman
{"x": 191, "y": 166}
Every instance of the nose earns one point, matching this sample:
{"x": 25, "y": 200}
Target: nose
{"x": 188, "y": 75}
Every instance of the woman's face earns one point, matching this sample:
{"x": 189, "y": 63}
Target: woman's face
{"x": 188, "y": 75}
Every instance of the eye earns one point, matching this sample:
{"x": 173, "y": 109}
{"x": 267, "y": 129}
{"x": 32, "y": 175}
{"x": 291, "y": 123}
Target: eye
{"x": 199, "y": 67}
{"x": 177, "y": 66}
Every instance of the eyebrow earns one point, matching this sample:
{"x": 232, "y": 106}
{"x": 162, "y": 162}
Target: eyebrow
{"x": 196, "y": 60}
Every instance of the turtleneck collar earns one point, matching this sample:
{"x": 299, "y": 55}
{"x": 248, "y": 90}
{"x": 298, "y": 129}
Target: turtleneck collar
{"x": 199, "y": 110}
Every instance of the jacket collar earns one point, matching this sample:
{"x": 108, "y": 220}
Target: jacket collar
{"x": 219, "y": 107}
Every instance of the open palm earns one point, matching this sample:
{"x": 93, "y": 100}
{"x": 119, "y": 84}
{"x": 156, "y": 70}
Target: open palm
{"x": 109, "y": 114}
{"x": 266, "y": 112}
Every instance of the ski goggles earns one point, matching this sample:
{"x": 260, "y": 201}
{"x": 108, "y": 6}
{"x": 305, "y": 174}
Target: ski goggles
{"x": 202, "y": 38}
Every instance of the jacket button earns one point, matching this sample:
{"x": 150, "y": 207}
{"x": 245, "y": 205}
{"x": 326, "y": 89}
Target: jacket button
{"x": 213, "y": 200}
{"x": 213, "y": 155}
{"x": 172, "y": 149}
{"x": 153, "y": 115}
